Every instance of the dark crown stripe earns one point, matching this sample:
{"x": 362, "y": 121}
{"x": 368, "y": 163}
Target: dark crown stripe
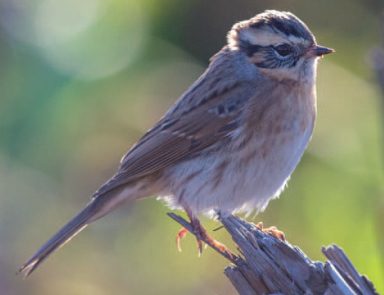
{"x": 287, "y": 27}
{"x": 285, "y": 23}
{"x": 259, "y": 24}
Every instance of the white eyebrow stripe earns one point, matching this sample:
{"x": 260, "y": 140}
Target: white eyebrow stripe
{"x": 296, "y": 40}
{"x": 266, "y": 38}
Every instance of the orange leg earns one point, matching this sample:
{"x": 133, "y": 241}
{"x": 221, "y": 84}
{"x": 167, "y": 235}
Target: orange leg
{"x": 201, "y": 235}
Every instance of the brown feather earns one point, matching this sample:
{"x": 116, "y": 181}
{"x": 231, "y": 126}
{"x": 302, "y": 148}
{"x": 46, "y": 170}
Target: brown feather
{"x": 176, "y": 137}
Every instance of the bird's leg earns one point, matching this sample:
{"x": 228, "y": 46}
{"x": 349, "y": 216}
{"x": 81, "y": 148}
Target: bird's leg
{"x": 201, "y": 235}
{"x": 272, "y": 230}
{"x": 197, "y": 230}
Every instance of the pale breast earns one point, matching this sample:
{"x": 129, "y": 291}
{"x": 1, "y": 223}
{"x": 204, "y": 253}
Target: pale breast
{"x": 253, "y": 165}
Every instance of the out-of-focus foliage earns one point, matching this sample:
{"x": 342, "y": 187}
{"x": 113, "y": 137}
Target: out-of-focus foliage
{"x": 82, "y": 80}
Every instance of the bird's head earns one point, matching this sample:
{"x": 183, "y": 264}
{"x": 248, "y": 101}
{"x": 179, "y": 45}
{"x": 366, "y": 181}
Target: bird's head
{"x": 279, "y": 44}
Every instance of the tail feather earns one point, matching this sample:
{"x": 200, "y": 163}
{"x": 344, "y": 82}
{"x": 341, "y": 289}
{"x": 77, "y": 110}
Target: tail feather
{"x": 66, "y": 233}
{"x": 100, "y": 204}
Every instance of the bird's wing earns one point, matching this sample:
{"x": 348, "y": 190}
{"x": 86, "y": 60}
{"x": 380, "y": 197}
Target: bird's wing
{"x": 177, "y": 136}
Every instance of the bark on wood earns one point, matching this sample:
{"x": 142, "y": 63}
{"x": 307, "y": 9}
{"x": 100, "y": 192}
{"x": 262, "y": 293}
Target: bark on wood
{"x": 268, "y": 265}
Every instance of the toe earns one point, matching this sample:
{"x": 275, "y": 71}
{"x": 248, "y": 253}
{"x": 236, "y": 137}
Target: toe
{"x": 180, "y": 235}
{"x": 274, "y": 231}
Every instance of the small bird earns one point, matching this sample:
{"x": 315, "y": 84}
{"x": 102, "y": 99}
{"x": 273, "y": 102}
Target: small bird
{"x": 232, "y": 140}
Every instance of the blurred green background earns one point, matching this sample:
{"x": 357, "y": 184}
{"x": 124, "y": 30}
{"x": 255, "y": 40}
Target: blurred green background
{"x": 81, "y": 81}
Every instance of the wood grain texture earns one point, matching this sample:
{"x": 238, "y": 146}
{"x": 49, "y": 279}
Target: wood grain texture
{"x": 270, "y": 266}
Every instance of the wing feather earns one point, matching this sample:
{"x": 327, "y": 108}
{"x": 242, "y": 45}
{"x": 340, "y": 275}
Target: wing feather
{"x": 209, "y": 111}
{"x": 174, "y": 139}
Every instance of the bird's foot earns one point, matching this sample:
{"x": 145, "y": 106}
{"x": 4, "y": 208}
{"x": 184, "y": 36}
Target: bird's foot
{"x": 219, "y": 247}
{"x": 198, "y": 230}
{"x": 202, "y": 236}
{"x": 272, "y": 230}
{"x": 180, "y": 235}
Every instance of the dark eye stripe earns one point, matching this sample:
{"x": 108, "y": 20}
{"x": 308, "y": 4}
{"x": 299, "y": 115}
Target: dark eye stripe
{"x": 250, "y": 49}
{"x": 271, "y": 60}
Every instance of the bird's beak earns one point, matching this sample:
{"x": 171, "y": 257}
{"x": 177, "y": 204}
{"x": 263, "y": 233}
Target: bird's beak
{"x": 317, "y": 51}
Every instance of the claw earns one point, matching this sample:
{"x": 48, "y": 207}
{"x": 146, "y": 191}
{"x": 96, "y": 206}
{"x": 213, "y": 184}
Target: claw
{"x": 277, "y": 233}
{"x": 202, "y": 236}
{"x": 272, "y": 230}
{"x": 199, "y": 232}
{"x": 200, "y": 247}
{"x": 260, "y": 225}
{"x": 180, "y": 235}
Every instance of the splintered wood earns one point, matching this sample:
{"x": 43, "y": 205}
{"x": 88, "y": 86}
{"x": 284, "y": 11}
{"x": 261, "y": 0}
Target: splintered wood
{"x": 268, "y": 265}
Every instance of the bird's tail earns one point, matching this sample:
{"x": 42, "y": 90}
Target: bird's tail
{"x": 96, "y": 208}
{"x": 66, "y": 233}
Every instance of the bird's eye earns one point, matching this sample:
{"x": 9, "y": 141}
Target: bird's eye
{"x": 283, "y": 49}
